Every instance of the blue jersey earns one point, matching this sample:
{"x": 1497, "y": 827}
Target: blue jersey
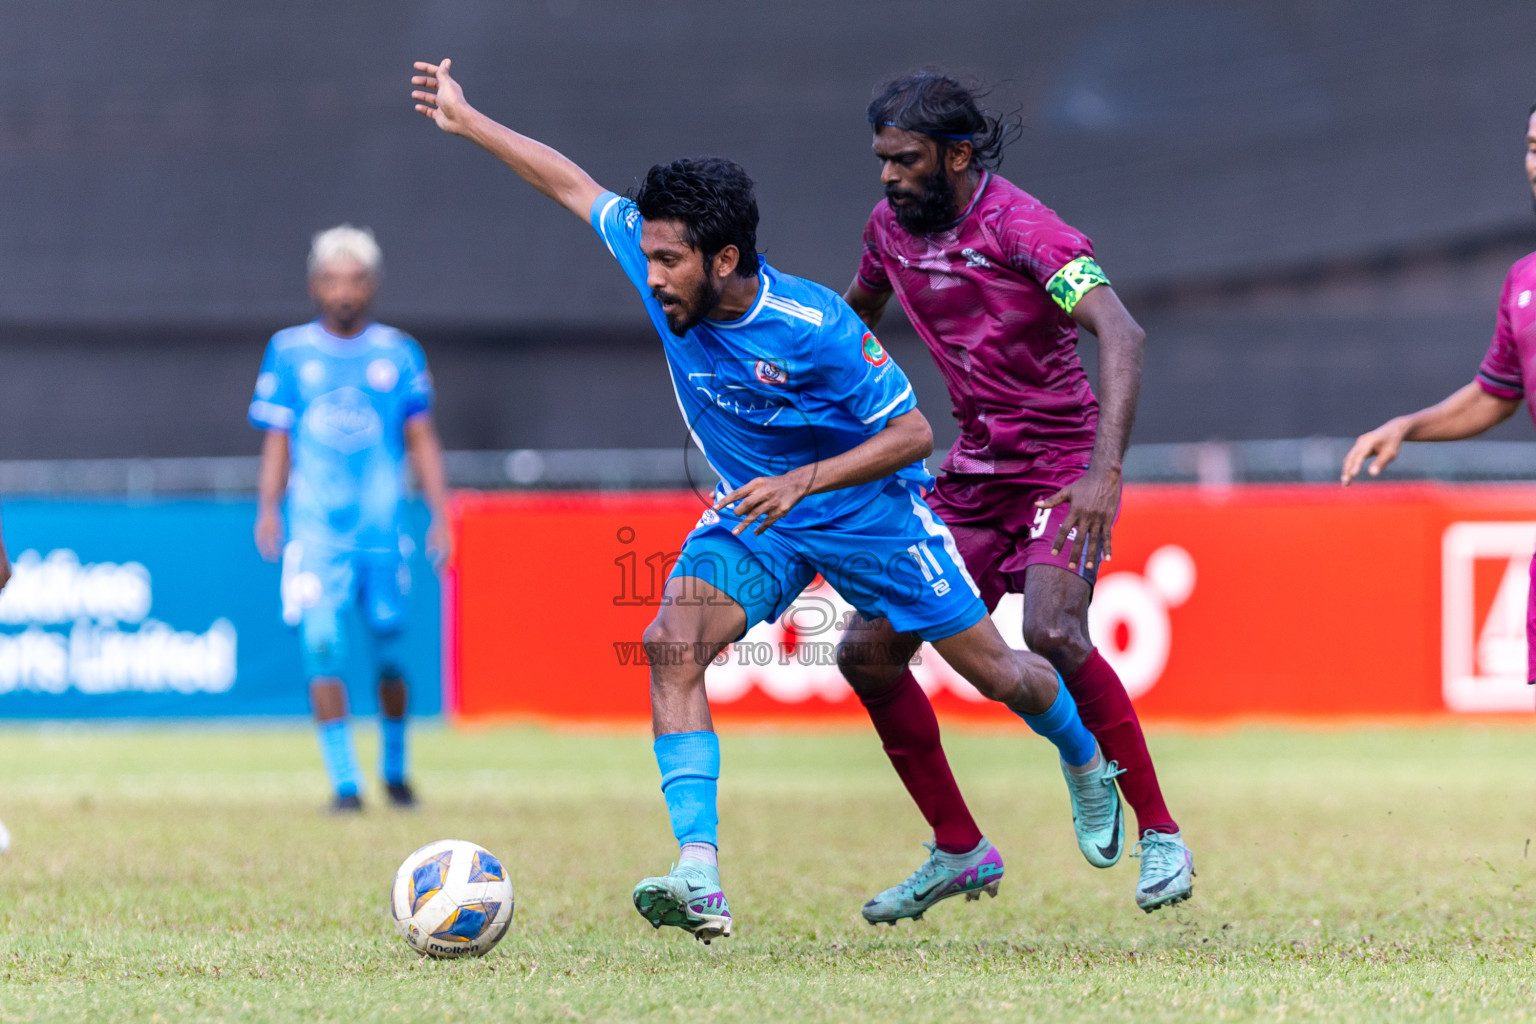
{"x": 344, "y": 403}
{"x": 796, "y": 379}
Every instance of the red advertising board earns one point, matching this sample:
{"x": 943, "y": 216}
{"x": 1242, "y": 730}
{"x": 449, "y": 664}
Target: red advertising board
{"x": 1288, "y": 600}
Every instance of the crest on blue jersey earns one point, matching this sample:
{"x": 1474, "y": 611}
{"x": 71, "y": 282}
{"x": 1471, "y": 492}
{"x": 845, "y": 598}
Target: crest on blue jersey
{"x": 771, "y": 373}
{"x": 382, "y": 375}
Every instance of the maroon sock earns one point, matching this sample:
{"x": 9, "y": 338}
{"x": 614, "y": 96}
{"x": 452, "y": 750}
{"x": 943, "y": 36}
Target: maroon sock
{"x": 909, "y": 731}
{"x": 1106, "y": 710}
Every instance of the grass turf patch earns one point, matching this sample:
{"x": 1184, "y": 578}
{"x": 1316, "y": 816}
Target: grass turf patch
{"x": 188, "y": 874}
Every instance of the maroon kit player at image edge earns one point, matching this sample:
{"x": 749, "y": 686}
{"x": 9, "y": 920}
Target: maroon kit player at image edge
{"x": 1492, "y": 397}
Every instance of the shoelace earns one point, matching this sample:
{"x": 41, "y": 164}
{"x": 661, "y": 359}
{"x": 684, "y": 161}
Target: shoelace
{"x": 1112, "y": 771}
{"x": 924, "y": 870}
{"x": 1161, "y": 850}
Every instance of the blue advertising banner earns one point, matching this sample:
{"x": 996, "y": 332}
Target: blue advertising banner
{"x": 129, "y": 609}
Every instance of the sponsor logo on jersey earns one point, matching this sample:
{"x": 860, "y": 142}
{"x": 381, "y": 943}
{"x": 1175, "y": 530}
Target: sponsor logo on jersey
{"x": 974, "y": 258}
{"x": 382, "y": 375}
{"x": 266, "y": 385}
{"x": 770, "y": 373}
{"x": 874, "y": 352}
{"x": 345, "y": 420}
{"x": 1525, "y": 299}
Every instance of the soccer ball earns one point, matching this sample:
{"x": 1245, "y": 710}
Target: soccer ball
{"x": 451, "y": 898}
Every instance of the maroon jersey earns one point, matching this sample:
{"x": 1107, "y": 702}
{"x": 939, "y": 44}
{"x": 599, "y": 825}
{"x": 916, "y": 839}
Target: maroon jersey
{"x": 1510, "y": 362}
{"x": 990, "y": 295}
{"x": 1511, "y": 358}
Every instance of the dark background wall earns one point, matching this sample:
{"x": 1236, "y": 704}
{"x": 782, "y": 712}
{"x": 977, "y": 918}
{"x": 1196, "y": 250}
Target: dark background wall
{"x": 1310, "y": 206}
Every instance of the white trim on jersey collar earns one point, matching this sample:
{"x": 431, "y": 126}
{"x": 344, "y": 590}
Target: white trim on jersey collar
{"x": 336, "y": 345}
{"x": 751, "y": 314}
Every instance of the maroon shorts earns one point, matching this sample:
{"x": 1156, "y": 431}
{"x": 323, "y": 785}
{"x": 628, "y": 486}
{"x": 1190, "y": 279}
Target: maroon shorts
{"x": 999, "y": 531}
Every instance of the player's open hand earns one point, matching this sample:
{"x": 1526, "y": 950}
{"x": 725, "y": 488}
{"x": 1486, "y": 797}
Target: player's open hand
{"x": 1095, "y": 502}
{"x": 439, "y": 543}
{"x": 269, "y": 535}
{"x": 768, "y": 498}
{"x": 1380, "y": 445}
{"x": 439, "y": 97}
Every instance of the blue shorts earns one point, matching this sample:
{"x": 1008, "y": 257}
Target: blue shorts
{"x": 321, "y": 583}
{"x": 893, "y": 560}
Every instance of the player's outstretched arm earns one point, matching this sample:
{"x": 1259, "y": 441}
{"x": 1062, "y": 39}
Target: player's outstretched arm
{"x": 1095, "y": 497}
{"x": 271, "y": 485}
{"x": 902, "y": 441}
{"x": 1466, "y": 413}
{"x": 426, "y": 455}
{"x": 439, "y": 98}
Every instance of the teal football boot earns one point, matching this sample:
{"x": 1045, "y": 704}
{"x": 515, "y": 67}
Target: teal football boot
{"x": 1097, "y": 815}
{"x": 689, "y": 898}
{"x": 1167, "y": 870}
{"x": 939, "y": 877}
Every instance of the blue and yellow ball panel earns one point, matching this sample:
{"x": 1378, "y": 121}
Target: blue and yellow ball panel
{"x": 485, "y": 868}
{"x": 467, "y": 923}
{"x": 427, "y": 879}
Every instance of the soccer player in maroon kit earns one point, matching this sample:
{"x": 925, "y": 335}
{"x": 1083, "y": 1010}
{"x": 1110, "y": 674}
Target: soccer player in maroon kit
{"x": 996, "y": 285}
{"x": 1491, "y": 398}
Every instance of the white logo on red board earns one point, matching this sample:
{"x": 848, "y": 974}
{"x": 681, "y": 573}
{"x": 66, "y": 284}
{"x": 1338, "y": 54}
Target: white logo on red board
{"x": 1128, "y": 619}
{"x": 1483, "y": 653}
{"x": 791, "y": 661}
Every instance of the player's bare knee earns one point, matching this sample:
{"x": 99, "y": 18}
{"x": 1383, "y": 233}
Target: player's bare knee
{"x": 998, "y": 678}
{"x": 1059, "y": 640}
{"x": 864, "y": 670}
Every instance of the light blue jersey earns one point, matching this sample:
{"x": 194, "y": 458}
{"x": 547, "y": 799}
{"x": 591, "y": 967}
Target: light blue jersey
{"x": 344, "y": 403}
{"x": 796, "y": 379}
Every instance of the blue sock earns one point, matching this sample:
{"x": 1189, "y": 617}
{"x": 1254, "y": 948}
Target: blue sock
{"x": 690, "y": 769}
{"x": 1061, "y": 725}
{"x": 336, "y": 752}
{"x": 392, "y": 750}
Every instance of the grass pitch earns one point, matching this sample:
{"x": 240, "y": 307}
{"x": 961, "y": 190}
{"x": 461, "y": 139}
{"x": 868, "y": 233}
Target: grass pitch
{"x": 1343, "y": 875}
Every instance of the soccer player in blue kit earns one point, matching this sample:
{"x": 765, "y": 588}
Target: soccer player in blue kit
{"x": 816, "y": 437}
{"x": 344, "y": 401}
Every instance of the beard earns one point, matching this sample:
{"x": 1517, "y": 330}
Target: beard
{"x": 692, "y": 308}
{"x": 927, "y": 210}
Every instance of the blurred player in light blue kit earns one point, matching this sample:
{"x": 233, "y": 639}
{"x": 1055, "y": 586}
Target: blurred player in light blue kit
{"x": 344, "y": 401}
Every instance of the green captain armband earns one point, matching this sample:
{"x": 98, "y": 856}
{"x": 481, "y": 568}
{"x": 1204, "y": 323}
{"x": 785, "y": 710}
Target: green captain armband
{"x": 1069, "y": 284}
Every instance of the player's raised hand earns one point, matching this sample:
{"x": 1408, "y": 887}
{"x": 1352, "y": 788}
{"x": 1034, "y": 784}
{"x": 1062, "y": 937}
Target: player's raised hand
{"x": 439, "y": 97}
{"x": 1095, "y": 502}
{"x": 1380, "y": 445}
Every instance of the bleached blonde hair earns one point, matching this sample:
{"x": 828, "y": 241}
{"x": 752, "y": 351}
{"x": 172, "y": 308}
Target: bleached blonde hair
{"x": 349, "y": 243}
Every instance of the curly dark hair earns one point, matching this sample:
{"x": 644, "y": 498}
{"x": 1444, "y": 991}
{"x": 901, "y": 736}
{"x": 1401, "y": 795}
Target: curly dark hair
{"x": 931, "y": 103}
{"x": 715, "y": 201}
